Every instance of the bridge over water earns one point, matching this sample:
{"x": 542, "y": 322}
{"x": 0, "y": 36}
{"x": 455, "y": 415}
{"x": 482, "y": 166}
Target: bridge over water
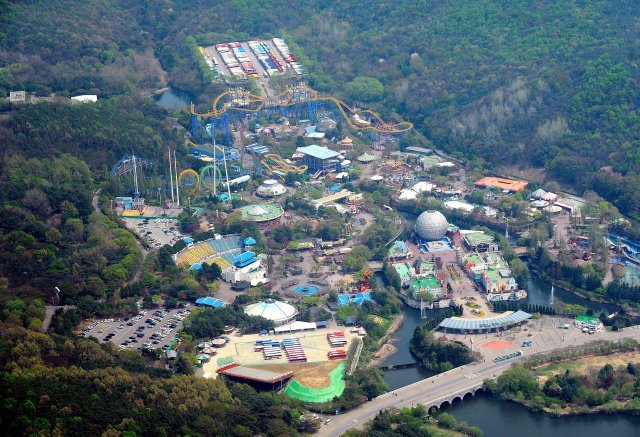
{"x": 448, "y": 387}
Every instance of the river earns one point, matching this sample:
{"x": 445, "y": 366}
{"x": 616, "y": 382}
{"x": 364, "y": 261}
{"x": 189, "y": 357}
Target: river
{"x": 539, "y": 293}
{"x": 500, "y": 418}
{"x": 173, "y": 99}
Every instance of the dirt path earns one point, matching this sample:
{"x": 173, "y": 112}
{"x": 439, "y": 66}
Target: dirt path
{"x": 387, "y": 349}
{"x": 382, "y": 354}
{"x": 49, "y": 311}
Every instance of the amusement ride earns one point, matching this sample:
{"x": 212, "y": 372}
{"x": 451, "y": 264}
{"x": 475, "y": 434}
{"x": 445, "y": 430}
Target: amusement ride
{"x": 232, "y": 107}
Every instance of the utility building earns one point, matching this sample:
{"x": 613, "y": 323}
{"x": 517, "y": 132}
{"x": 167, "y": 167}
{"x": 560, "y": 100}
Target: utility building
{"x": 319, "y": 158}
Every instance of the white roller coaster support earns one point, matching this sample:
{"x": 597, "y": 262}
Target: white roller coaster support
{"x": 175, "y": 166}
{"x": 135, "y": 176}
{"x": 226, "y": 173}
{"x": 215, "y": 168}
{"x": 171, "y": 176}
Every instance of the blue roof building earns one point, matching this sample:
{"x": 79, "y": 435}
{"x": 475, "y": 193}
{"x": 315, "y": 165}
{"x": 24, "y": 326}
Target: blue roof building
{"x": 244, "y": 259}
{"x": 210, "y": 302}
{"x": 357, "y": 298}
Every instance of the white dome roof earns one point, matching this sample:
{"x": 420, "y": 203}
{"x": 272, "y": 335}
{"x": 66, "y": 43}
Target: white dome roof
{"x": 407, "y": 194}
{"x": 271, "y": 188}
{"x": 422, "y": 187}
{"x": 276, "y": 311}
{"x": 431, "y": 225}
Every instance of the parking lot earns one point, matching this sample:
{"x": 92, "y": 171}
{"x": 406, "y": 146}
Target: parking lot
{"x": 150, "y": 329}
{"x": 157, "y": 232}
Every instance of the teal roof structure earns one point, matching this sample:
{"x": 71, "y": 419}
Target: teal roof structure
{"x": 318, "y": 152}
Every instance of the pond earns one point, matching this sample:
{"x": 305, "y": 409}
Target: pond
{"x": 173, "y": 99}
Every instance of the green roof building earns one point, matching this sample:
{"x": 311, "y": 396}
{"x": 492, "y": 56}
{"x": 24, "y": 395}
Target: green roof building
{"x": 261, "y": 212}
{"x": 589, "y": 322}
{"x": 479, "y": 241}
{"x": 429, "y": 284}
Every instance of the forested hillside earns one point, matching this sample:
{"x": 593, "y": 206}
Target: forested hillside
{"x": 50, "y": 235}
{"x": 98, "y": 134}
{"x": 54, "y": 385}
{"x": 93, "y": 46}
{"x": 549, "y": 84}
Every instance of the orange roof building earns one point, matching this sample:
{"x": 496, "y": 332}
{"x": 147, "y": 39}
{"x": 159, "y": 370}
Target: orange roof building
{"x": 502, "y": 183}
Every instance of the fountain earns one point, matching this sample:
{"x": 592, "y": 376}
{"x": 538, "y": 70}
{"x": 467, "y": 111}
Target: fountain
{"x": 551, "y": 294}
{"x": 306, "y": 289}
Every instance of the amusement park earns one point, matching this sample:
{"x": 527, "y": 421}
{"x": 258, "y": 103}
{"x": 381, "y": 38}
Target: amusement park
{"x": 227, "y": 165}
{"x": 213, "y": 202}
{"x": 328, "y": 220}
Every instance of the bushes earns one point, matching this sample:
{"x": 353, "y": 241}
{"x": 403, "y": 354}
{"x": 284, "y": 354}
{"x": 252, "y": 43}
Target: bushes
{"x": 437, "y": 356}
{"x": 209, "y": 322}
{"x": 609, "y": 387}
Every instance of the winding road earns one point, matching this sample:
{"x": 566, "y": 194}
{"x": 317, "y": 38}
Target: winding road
{"x": 138, "y": 274}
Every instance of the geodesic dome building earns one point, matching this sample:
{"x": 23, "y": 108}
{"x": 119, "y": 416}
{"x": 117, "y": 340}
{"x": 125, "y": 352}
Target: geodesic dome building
{"x": 274, "y": 310}
{"x": 431, "y": 225}
{"x": 271, "y": 188}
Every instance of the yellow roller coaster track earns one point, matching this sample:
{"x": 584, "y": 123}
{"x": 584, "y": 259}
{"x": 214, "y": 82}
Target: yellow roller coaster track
{"x": 193, "y": 188}
{"x": 281, "y": 164}
{"x": 244, "y": 101}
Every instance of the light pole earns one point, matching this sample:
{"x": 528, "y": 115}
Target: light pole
{"x": 57, "y": 296}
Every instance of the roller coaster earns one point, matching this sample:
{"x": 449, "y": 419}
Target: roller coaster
{"x": 273, "y": 163}
{"x": 239, "y": 101}
{"x": 140, "y": 176}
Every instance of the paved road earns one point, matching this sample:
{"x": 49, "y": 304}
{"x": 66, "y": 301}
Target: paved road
{"x": 138, "y": 274}
{"x": 49, "y": 311}
{"x": 440, "y": 387}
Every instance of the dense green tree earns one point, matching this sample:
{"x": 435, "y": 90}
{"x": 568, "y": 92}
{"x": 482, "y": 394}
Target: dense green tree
{"x": 365, "y": 89}
{"x": 439, "y": 356}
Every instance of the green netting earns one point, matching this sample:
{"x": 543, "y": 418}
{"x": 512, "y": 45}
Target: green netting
{"x": 308, "y": 394}
{"x": 224, "y": 361}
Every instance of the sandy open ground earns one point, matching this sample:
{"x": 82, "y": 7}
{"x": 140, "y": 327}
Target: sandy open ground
{"x": 240, "y": 349}
{"x": 581, "y": 365}
{"x": 314, "y": 375}
{"x": 496, "y": 345}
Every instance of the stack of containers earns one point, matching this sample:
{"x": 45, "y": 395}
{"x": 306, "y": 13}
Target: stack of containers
{"x": 337, "y": 339}
{"x": 272, "y": 351}
{"x": 293, "y": 349}
{"x": 339, "y": 354}
{"x": 259, "y": 346}
{"x": 273, "y": 58}
{"x": 243, "y": 59}
{"x": 229, "y": 59}
{"x": 289, "y": 58}
{"x": 262, "y": 54}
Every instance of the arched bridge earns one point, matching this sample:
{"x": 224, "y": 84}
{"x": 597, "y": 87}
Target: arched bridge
{"x": 456, "y": 396}
{"x": 449, "y": 387}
